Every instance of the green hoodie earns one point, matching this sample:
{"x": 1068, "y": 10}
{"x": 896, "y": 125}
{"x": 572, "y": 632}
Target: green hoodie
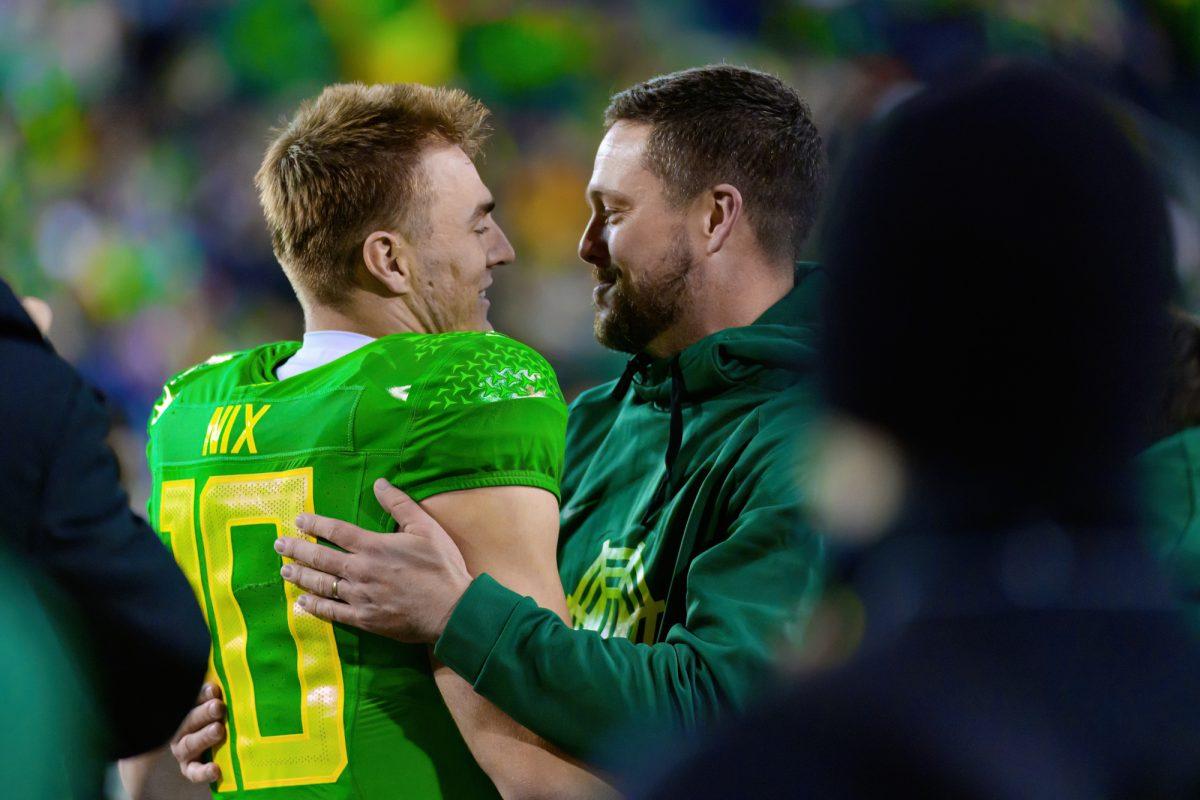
{"x": 1171, "y": 471}
{"x": 682, "y": 547}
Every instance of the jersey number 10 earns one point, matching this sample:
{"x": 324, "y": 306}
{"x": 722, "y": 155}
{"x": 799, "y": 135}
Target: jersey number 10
{"x": 316, "y": 754}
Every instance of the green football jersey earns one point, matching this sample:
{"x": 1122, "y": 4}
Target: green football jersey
{"x": 317, "y": 710}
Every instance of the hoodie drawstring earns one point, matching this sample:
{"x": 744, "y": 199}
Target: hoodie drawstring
{"x": 674, "y": 436}
{"x": 675, "y": 440}
{"x": 675, "y": 433}
{"x": 672, "y": 543}
{"x": 635, "y": 365}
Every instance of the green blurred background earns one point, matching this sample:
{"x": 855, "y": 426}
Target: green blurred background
{"x": 130, "y": 131}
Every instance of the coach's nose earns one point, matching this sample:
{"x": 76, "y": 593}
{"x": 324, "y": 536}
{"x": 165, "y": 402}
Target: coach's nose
{"x": 592, "y": 247}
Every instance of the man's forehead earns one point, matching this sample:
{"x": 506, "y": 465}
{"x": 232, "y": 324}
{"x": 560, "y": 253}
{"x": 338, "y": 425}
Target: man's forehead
{"x": 446, "y": 157}
{"x": 619, "y": 155}
{"x": 448, "y": 166}
{"x": 624, "y": 141}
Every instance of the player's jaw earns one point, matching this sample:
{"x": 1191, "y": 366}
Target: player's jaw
{"x": 483, "y": 304}
{"x": 470, "y": 304}
{"x": 452, "y": 293}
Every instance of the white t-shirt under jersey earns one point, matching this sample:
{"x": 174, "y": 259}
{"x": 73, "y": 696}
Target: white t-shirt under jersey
{"x": 318, "y": 349}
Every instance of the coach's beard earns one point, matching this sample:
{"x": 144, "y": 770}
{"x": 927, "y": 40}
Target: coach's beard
{"x": 638, "y": 314}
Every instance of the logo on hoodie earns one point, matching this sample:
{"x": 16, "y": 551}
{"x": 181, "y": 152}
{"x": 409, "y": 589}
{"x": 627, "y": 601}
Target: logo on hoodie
{"x": 612, "y": 597}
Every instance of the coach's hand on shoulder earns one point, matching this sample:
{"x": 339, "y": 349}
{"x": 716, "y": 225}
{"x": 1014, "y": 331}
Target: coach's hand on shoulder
{"x": 202, "y": 729}
{"x": 403, "y": 586}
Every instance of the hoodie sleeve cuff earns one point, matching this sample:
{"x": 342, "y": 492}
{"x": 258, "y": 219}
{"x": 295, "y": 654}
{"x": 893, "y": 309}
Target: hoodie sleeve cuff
{"x": 475, "y": 626}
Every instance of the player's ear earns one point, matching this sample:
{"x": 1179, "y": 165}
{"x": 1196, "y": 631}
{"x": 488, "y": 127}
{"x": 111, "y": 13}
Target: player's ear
{"x": 388, "y": 258}
{"x": 719, "y": 208}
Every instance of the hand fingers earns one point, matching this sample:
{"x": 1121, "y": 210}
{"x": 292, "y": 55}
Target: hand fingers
{"x": 313, "y": 555}
{"x": 192, "y": 746}
{"x": 209, "y": 709}
{"x": 197, "y": 772}
{"x": 343, "y": 534}
{"x": 326, "y": 609}
{"x": 203, "y": 714}
{"x": 315, "y": 581}
{"x": 403, "y": 508}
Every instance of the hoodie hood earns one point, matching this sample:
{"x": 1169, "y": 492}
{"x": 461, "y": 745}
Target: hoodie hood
{"x": 775, "y": 349}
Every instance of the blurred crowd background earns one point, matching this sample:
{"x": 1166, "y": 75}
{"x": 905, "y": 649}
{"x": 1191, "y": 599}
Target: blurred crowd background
{"x": 130, "y": 131}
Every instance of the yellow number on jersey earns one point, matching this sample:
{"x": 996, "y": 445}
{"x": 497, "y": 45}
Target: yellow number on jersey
{"x": 175, "y": 517}
{"x": 318, "y": 753}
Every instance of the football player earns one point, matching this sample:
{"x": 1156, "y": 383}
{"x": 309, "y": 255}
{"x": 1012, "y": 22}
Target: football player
{"x": 385, "y": 231}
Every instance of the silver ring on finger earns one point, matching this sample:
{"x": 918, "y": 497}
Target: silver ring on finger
{"x": 334, "y": 593}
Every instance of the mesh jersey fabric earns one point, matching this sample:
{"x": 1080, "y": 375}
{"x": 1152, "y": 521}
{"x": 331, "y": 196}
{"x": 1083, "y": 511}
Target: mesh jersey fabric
{"x": 320, "y": 711}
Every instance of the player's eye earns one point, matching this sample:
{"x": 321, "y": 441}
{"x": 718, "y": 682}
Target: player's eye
{"x": 483, "y": 230}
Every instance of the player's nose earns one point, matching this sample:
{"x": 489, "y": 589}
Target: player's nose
{"x": 502, "y": 250}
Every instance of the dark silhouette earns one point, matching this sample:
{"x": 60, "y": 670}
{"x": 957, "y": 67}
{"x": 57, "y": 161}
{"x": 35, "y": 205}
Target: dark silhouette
{"x": 140, "y": 640}
{"x": 999, "y": 260}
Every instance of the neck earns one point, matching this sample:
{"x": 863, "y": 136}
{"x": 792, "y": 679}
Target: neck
{"x": 365, "y": 313}
{"x": 725, "y": 298}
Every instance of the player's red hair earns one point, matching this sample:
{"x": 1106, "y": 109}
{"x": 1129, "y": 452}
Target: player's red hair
{"x": 346, "y": 165}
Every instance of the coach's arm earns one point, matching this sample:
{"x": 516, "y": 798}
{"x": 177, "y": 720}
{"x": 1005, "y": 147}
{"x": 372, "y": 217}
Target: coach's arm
{"x": 572, "y": 687}
{"x": 578, "y": 689}
{"x": 510, "y": 532}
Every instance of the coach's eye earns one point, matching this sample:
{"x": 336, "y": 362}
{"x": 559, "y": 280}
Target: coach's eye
{"x": 483, "y": 230}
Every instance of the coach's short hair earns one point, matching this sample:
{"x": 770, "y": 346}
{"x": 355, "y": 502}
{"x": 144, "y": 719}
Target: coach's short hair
{"x": 727, "y": 124}
{"x": 345, "y": 165}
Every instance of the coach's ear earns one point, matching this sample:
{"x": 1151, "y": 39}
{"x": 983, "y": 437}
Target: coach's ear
{"x": 388, "y": 259}
{"x": 720, "y": 209}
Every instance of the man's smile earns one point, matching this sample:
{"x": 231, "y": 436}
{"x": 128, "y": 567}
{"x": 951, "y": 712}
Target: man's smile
{"x": 605, "y": 281}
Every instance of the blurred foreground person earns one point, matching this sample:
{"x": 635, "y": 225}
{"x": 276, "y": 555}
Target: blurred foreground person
{"x": 1171, "y": 466}
{"x": 999, "y": 259}
{"x": 135, "y": 633}
{"x": 41, "y": 691}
